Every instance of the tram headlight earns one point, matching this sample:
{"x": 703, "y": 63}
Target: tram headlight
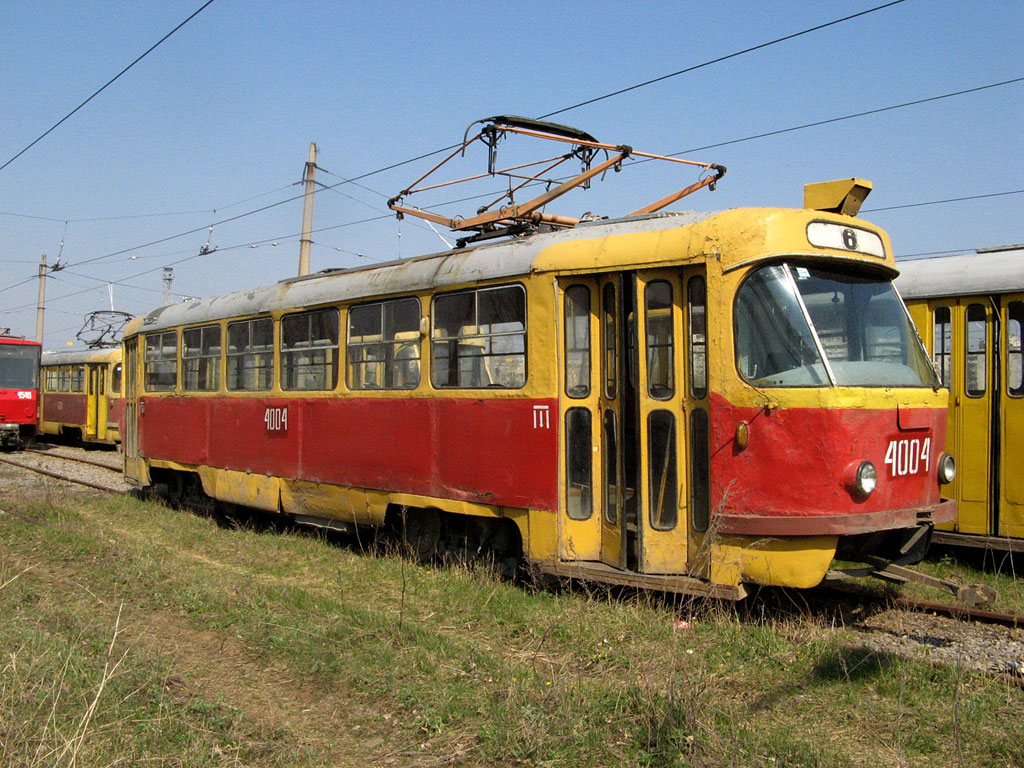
{"x": 865, "y": 479}
{"x": 947, "y": 469}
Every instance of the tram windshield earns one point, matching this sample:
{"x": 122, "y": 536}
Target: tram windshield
{"x": 806, "y": 326}
{"x": 19, "y": 366}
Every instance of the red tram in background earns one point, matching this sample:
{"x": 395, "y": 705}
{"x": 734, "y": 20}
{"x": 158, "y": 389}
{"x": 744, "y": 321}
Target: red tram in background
{"x": 19, "y": 390}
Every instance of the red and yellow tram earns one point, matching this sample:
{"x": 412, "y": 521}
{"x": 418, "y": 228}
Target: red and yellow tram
{"x": 686, "y": 401}
{"x": 82, "y": 395}
{"x": 19, "y": 390}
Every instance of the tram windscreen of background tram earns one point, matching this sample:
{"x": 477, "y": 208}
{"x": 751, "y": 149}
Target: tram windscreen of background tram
{"x": 858, "y": 320}
{"x": 19, "y": 364}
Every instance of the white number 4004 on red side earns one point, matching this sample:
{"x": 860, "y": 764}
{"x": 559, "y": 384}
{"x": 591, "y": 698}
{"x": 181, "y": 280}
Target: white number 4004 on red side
{"x": 908, "y": 457}
{"x": 276, "y": 419}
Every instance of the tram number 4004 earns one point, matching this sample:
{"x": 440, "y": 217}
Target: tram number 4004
{"x": 908, "y": 457}
{"x": 276, "y": 419}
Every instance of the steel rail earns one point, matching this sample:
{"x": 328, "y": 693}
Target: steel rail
{"x": 74, "y": 459}
{"x": 960, "y": 612}
{"x": 66, "y": 478}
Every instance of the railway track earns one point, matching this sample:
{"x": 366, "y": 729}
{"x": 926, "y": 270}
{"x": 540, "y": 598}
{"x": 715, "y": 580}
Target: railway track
{"x": 69, "y": 465}
{"x": 942, "y": 634}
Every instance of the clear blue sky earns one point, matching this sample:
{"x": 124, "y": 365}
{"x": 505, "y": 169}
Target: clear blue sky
{"x": 217, "y": 122}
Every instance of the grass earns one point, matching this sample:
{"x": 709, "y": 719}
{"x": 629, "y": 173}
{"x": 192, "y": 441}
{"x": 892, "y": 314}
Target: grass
{"x": 134, "y": 634}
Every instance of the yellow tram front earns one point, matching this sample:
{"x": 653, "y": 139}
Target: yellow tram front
{"x": 743, "y": 399}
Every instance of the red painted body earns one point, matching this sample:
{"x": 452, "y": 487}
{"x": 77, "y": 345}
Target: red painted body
{"x": 65, "y": 407}
{"x": 19, "y": 402}
{"x": 488, "y": 451}
{"x": 19, "y": 406}
{"x": 799, "y": 463}
{"x": 115, "y": 411}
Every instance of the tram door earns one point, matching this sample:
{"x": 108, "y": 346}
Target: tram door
{"x": 129, "y": 423}
{"x": 623, "y": 410}
{"x": 962, "y": 348}
{"x": 95, "y": 395}
{"x": 1011, "y": 438}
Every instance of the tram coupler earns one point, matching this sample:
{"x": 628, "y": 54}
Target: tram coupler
{"x": 973, "y": 595}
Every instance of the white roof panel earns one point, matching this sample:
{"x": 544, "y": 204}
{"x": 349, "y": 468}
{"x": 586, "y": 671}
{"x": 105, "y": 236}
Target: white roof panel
{"x": 963, "y": 275}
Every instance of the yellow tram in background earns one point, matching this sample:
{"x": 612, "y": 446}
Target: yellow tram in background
{"x": 969, "y": 310}
{"x": 81, "y": 395}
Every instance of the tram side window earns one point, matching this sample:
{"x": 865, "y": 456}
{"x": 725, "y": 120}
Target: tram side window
{"x": 251, "y": 355}
{"x": 660, "y": 340}
{"x": 384, "y": 345}
{"x": 697, "y": 301}
{"x": 577, "y": 341}
{"x": 161, "y": 363}
{"x": 64, "y": 379}
{"x": 661, "y": 452}
{"x": 78, "y": 378}
{"x": 309, "y": 350}
{"x": 52, "y": 379}
{"x": 609, "y": 331}
{"x": 1014, "y": 349}
{"x": 942, "y": 345}
{"x": 479, "y": 338}
{"x": 115, "y": 379}
{"x": 200, "y": 358}
{"x": 976, "y": 351}
{"x": 579, "y": 495}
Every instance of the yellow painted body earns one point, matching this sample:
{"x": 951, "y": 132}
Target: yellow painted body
{"x": 721, "y": 250}
{"x": 98, "y": 379}
{"x": 971, "y": 438}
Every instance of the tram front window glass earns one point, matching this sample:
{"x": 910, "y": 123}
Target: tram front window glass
{"x": 479, "y": 339}
{"x": 309, "y": 350}
{"x": 251, "y": 355}
{"x": 115, "y": 379}
{"x": 976, "y": 351}
{"x": 200, "y": 358}
{"x": 1014, "y": 349}
{"x": 857, "y": 318}
{"x": 942, "y": 345}
{"x": 19, "y": 364}
{"x": 577, "y": 341}
{"x": 161, "y": 363}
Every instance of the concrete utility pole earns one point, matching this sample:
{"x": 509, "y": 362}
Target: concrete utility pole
{"x": 306, "y": 241}
{"x": 168, "y": 280}
{"x": 42, "y": 299}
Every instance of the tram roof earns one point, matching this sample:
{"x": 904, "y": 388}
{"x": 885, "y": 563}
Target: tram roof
{"x": 75, "y": 356}
{"x": 985, "y": 272}
{"x": 488, "y": 261}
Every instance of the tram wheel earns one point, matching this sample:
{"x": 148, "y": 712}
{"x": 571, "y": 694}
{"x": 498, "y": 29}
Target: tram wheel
{"x": 175, "y": 493}
{"x": 421, "y": 533}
